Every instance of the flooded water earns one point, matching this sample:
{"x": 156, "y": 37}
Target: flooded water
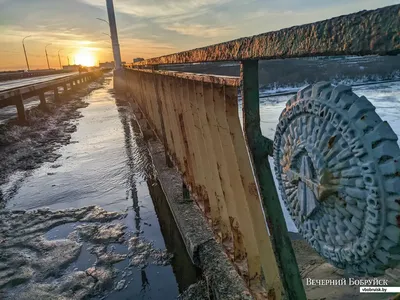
{"x": 106, "y": 164}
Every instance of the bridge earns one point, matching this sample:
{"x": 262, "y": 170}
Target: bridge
{"x": 15, "y": 92}
{"x": 336, "y": 161}
{"x": 195, "y": 117}
{"x": 14, "y": 75}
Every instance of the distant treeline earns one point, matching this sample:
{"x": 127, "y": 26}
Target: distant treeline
{"x": 296, "y": 72}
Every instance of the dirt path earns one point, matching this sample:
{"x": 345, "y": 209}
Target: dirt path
{"x": 313, "y": 266}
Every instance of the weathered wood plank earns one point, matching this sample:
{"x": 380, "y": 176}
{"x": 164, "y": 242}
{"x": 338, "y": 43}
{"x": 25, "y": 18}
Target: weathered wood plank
{"x": 239, "y": 251}
{"x": 198, "y": 149}
{"x": 268, "y": 260}
{"x": 252, "y": 254}
{"x": 206, "y": 153}
{"x": 207, "y": 114}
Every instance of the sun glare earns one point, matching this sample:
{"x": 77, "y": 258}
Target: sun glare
{"x": 85, "y": 58}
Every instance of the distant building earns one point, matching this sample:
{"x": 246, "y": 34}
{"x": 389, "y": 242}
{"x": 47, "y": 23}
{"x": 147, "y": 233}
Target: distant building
{"x": 135, "y": 60}
{"x": 71, "y": 67}
{"x": 109, "y": 65}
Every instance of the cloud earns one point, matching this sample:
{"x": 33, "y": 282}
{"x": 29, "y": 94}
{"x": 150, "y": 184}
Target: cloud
{"x": 130, "y": 28}
{"x": 15, "y": 34}
{"x": 201, "y": 30}
{"x": 134, "y": 44}
{"x": 159, "y": 8}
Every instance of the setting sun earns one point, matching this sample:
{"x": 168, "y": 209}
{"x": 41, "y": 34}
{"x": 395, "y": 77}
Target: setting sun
{"x": 85, "y": 58}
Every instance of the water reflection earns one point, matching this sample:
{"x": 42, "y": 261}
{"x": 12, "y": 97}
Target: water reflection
{"x": 145, "y": 281}
{"x": 185, "y": 272}
{"x": 131, "y": 178}
{"x": 140, "y": 166}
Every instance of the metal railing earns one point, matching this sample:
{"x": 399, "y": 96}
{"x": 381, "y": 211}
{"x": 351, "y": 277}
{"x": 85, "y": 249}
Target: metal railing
{"x": 226, "y": 170}
{"x": 17, "y": 96}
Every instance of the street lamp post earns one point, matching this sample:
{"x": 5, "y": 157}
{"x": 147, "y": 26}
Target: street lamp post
{"x": 100, "y": 19}
{"x": 68, "y": 58}
{"x": 114, "y": 34}
{"x": 26, "y": 57}
{"x": 47, "y": 57}
{"x": 59, "y": 58}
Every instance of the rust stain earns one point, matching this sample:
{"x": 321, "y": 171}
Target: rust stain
{"x": 271, "y": 294}
{"x": 239, "y": 253}
{"x": 253, "y": 189}
{"x": 331, "y": 141}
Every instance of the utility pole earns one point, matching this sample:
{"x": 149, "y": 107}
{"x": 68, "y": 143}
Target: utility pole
{"x": 26, "y": 57}
{"x": 47, "y": 57}
{"x": 59, "y": 59}
{"x": 68, "y": 57}
{"x": 114, "y": 34}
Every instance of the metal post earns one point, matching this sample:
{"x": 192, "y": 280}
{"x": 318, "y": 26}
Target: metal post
{"x": 42, "y": 98}
{"x": 47, "y": 57}
{"x": 26, "y": 57}
{"x": 59, "y": 59}
{"x": 114, "y": 34}
{"x": 56, "y": 96}
{"x": 164, "y": 135}
{"x": 19, "y": 103}
{"x": 259, "y": 147}
{"x": 68, "y": 58}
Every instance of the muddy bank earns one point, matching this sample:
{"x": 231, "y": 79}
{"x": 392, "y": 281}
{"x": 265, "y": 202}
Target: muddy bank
{"x": 24, "y": 148}
{"x": 32, "y": 266}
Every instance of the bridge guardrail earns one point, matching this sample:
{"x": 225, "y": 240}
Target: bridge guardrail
{"x": 16, "y": 96}
{"x": 5, "y": 76}
{"x": 197, "y": 118}
{"x": 226, "y": 170}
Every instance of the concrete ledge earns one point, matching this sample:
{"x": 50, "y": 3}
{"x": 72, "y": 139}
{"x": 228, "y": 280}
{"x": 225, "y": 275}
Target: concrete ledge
{"x": 191, "y": 224}
{"x": 197, "y": 291}
{"x": 222, "y": 280}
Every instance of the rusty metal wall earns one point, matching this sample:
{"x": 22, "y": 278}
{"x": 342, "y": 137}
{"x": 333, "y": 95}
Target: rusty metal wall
{"x": 197, "y": 119}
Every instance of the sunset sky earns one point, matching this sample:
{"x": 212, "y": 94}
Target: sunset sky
{"x": 147, "y": 28}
